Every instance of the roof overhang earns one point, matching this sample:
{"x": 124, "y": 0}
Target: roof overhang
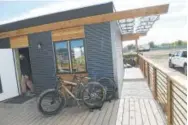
{"x": 127, "y": 14}
{"x": 134, "y": 36}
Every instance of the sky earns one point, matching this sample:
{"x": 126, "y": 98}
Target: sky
{"x": 170, "y": 27}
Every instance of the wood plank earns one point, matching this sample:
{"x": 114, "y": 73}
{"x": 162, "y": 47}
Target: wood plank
{"x": 147, "y": 11}
{"x": 67, "y": 34}
{"x": 82, "y": 119}
{"x": 102, "y": 114}
{"x": 139, "y": 120}
{"x": 120, "y": 112}
{"x": 88, "y": 119}
{"x": 126, "y": 112}
{"x": 150, "y": 113}
{"x": 128, "y": 37}
{"x": 144, "y": 112}
{"x": 159, "y": 115}
{"x": 113, "y": 117}
{"x": 132, "y": 112}
{"x": 79, "y": 115}
{"x": 108, "y": 113}
{"x": 19, "y": 42}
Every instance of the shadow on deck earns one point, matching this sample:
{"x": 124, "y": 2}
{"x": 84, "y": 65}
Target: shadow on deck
{"x": 136, "y": 106}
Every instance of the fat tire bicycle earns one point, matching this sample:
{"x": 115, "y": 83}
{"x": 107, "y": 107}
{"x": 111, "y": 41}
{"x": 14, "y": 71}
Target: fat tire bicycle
{"x": 108, "y": 83}
{"x": 51, "y": 101}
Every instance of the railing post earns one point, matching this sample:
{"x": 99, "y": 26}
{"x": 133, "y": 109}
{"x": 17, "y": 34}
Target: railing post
{"x": 169, "y": 101}
{"x": 148, "y": 75}
{"x": 144, "y": 68}
{"x": 154, "y": 83}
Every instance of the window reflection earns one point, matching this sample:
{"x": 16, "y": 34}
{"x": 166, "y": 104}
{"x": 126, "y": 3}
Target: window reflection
{"x": 73, "y": 49}
{"x": 62, "y": 57}
{"x": 78, "y": 56}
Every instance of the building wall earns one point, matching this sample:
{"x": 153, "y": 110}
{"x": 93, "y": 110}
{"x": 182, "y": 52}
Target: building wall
{"x": 42, "y": 61}
{"x": 117, "y": 55}
{"x": 99, "y": 50}
{"x": 7, "y": 75}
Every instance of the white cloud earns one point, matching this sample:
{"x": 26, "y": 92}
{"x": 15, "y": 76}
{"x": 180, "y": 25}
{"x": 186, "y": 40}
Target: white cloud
{"x": 170, "y": 27}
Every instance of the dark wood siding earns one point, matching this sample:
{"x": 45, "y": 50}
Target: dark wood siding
{"x": 99, "y": 50}
{"x": 42, "y": 61}
{"x": 4, "y": 43}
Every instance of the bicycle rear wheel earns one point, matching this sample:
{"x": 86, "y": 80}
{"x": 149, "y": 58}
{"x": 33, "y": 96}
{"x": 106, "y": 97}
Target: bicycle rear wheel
{"x": 93, "y": 94}
{"x": 110, "y": 87}
{"x": 50, "y": 102}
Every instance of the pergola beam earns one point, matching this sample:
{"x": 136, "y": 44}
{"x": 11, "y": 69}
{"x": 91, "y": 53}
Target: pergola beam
{"x": 128, "y": 37}
{"x": 147, "y": 11}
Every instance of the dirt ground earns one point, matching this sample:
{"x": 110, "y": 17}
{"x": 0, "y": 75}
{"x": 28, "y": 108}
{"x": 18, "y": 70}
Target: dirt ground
{"x": 161, "y": 58}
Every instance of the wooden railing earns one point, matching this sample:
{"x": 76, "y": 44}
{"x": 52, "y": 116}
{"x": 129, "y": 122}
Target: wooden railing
{"x": 169, "y": 90}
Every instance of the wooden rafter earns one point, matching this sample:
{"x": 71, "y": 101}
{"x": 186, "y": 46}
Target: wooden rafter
{"x": 128, "y": 37}
{"x": 153, "y": 10}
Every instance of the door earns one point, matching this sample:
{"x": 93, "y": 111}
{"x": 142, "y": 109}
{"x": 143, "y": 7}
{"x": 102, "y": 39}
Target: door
{"x": 8, "y": 75}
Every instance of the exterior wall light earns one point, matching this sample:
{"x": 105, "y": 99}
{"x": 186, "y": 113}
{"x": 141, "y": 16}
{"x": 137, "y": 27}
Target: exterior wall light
{"x": 39, "y": 46}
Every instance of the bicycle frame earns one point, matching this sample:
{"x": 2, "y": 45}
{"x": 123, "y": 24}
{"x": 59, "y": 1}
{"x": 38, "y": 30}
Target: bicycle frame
{"x": 67, "y": 90}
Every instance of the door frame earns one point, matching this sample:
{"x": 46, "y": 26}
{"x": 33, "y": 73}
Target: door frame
{"x": 17, "y": 69}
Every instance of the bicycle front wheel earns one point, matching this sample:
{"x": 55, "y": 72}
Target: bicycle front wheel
{"x": 93, "y": 94}
{"x": 50, "y": 102}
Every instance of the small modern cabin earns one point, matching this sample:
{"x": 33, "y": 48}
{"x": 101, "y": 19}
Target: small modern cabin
{"x": 84, "y": 41}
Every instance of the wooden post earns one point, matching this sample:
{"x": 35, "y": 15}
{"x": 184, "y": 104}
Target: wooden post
{"x": 136, "y": 44}
{"x": 148, "y": 75}
{"x": 144, "y": 67}
{"x": 154, "y": 83}
{"x": 169, "y": 101}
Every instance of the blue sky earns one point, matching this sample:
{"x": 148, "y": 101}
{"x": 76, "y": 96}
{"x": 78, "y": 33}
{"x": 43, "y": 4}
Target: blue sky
{"x": 9, "y": 9}
{"x": 170, "y": 27}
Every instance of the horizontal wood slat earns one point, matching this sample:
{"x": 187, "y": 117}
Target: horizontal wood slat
{"x": 19, "y": 42}
{"x": 67, "y": 34}
{"x": 147, "y": 11}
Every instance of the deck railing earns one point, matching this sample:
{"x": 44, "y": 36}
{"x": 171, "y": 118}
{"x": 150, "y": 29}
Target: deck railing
{"x": 169, "y": 90}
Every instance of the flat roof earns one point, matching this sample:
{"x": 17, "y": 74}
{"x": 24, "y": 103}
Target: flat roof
{"x": 91, "y": 10}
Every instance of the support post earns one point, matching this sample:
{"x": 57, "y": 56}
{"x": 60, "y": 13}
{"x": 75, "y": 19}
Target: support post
{"x": 169, "y": 102}
{"x": 154, "y": 83}
{"x": 148, "y": 75}
{"x": 136, "y": 45}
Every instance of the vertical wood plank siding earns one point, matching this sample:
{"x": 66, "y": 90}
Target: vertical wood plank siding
{"x": 99, "y": 50}
{"x": 42, "y": 61}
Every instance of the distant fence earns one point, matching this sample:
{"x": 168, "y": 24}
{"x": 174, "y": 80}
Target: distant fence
{"x": 170, "y": 92}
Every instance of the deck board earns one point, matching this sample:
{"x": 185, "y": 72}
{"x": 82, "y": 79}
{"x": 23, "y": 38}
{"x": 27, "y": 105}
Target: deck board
{"x": 136, "y": 106}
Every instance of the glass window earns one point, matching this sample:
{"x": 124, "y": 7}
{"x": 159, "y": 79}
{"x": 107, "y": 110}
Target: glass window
{"x": 62, "y": 57}
{"x": 70, "y": 56}
{"x": 184, "y": 54}
{"x": 78, "y": 56}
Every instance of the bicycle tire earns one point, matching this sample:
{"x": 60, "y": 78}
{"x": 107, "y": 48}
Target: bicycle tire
{"x": 62, "y": 102}
{"x": 93, "y": 86}
{"x": 110, "y": 86}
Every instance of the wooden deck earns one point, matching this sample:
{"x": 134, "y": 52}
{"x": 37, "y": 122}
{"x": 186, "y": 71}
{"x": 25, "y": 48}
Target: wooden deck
{"x": 135, "y": 107}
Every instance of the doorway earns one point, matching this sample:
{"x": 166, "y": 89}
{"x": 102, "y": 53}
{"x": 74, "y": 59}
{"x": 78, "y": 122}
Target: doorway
{"x": 23, "y": 67}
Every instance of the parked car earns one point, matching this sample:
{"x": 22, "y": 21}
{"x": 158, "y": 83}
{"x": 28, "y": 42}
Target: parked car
{"x": 178, "y": 59}
{"x": 143, "y": 48}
